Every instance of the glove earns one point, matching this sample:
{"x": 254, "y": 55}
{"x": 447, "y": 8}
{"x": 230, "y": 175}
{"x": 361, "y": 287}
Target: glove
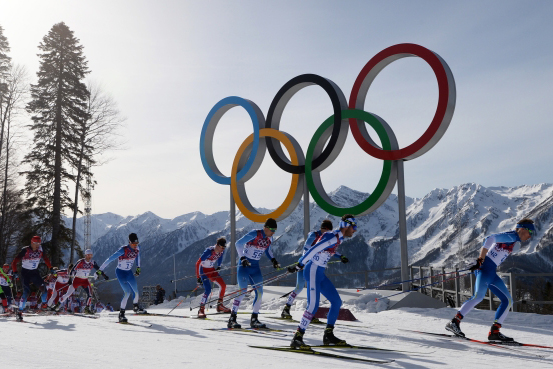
{"x": 70, "y": 281}
{"x": 295, "y": 268}
{"x": 344, "y": 259}
{"x": 101, "y": 272}
{"x": 14, "y": 275}
{"x": 137, "y": 272}
{"x": 52, "y": 271}
{"x": 276, "y": 265}
{"x": 218, "y": 268}
{"x": 244, "y": 261}
{"x": 200, "y": 282}
{"x": 478, "y": 264}
{"x": 10, "y": 285}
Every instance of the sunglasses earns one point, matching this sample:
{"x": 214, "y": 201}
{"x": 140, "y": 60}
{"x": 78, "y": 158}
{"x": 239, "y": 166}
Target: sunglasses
{"x": 134, "y": 243}
{"x": 272, "y": 229}
{"x": 530, "y": 231}
{"x": 353, "y": 224}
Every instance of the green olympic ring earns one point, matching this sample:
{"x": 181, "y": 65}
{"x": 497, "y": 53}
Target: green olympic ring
{"x": 387, "y": 178}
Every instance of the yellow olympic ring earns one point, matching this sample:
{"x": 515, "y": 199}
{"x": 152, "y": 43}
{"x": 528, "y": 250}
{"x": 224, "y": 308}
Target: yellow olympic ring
{"x": 238, "y": 187}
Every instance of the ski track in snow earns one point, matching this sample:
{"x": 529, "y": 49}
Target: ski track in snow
{"x": 69, "y": 341}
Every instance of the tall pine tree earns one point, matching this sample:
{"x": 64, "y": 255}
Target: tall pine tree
{"x": 57, "y": 108}
{"x": 5, "y": 67}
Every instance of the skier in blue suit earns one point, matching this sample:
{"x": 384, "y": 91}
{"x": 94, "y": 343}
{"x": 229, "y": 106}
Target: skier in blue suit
{"x": 250, "y": 248}
{"x": 126, "y": 256}
{"x": 312, "y": 239}
{"x": 315, "y": 261}
{"x": 495, "y": 250}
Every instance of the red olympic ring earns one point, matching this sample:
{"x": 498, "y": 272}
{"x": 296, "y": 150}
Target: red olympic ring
{"x": 444, "y": 110}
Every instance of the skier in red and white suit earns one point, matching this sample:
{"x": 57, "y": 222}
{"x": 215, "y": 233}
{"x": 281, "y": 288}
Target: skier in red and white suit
{"x": 62, "y": 283}
{"x": 206, "y": 271}
{"x": 80, "y": 273}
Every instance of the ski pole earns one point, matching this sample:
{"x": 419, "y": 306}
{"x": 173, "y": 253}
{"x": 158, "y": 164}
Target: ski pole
{"x": 409, "y": 280}
{"x": 265, "y": 275}
{"x": 190, "y": 294}
{"x": 301, "y": 271}
{"x": 107, "y": 280}
{"x": 237, "y": 293}
{"x": 256, "y": 286}
{"x": 426, "y": 285}
{"x": 231, "y": 294}
{"x": 216, "y": 271}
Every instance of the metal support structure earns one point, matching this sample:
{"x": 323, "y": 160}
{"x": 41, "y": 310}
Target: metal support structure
{"x": 402, "y": 225}
{"x": 513, "y": 286}
{"x": 421, "y": 279}
{"x": 457, "y": 289}
{"x": 306, "y": 215}
{"x": 431, "y": 281}
{"x": 175, "y": 274}
{"x": 443, "y": 285}
{"x": 88, "y": 211}
{"x": 233, "y": 255}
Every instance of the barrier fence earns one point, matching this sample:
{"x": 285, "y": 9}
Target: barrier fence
{"x": 457, "y": 291}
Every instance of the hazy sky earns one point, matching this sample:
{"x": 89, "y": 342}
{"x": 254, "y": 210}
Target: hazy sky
{"x": 167, "y": 63}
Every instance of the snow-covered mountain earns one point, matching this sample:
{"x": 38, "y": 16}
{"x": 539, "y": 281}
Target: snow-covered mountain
{"x": 445, "y": 228}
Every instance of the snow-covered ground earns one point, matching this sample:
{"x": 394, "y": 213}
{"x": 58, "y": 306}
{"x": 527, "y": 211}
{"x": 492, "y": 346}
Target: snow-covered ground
{"x": 71, "y": 341}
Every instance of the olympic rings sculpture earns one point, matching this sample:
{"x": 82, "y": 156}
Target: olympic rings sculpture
{"x": 332, "y": 132}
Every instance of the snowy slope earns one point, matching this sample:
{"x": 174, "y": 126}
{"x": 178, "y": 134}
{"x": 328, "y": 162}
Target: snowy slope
{"x": 68, "y": 341}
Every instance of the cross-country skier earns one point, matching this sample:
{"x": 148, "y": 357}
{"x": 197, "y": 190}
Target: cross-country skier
{"x": 6, "y": 284}
{"x": 61, "y": 285}
{"x": 30, "y": 257}
{"x": 206, "y": 271}
{"x": 250, "y": 249}
{"x": 5, "y": 288}
{"x": 126, "y": 256}
{"x": 312, "y": 239}
{"x": 314, "y": 261}
{"x": 495, "y": 250}
{"x": 78, "y": 277}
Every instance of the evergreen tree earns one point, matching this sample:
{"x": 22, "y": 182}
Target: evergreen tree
{"x": 57, "y": 108}
{"x": 5, "y": 67}
{"x": 5, "y": 60}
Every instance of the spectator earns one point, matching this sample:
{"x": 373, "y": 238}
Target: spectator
{"x": 160, "y": 295}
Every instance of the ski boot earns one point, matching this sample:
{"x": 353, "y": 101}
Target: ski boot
{"x": 221, "y": 308}
{"x": 56, "y": 307}
{"x": 330, "y": 339}
{"x": 201, "y": 312}
{"x": 122, "y": 318}
{"x": 316, "y": 321}
{"x": 297, "y": 342}
{"x": 286, "y": 312}
{"x": 232, "y": 324}
{"x": 495, "y": 335}
{"x": 88, "y": 310}
{"x": 19, "y": 316}
{"x": 138, "y": 310}
{"x": 453, "y": 326}
{"x": 255, "y": 323}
